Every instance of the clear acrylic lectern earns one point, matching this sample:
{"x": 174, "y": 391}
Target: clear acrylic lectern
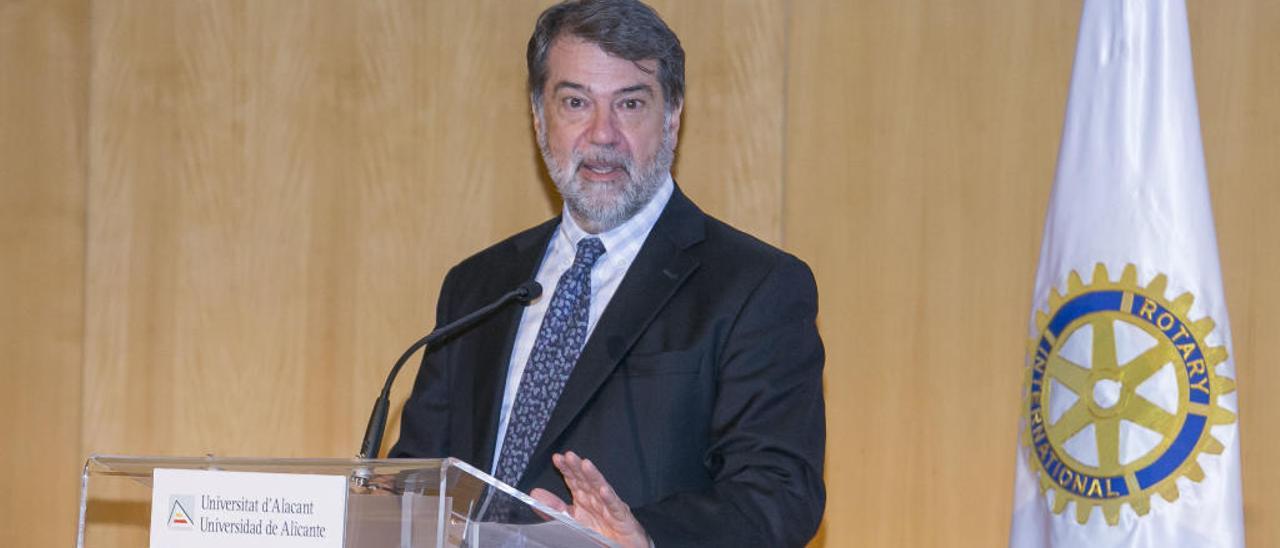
{"x": 391, "y": 503}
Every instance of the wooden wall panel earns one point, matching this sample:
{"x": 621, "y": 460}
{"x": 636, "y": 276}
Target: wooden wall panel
{"x": 920, "y": 150}
{"x": 43, "y": 72}
{"x": 1238, "y": 82}
{"x": 921, "y": 140}
{"x": 731, "y": 145}
{"x": 275, "y": 189}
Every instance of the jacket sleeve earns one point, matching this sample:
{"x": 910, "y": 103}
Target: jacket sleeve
{"x": 768, "y": 430}
{"x": 424, "y": 423}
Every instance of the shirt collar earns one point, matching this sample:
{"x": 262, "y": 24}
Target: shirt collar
{"x": 637, "y": 226}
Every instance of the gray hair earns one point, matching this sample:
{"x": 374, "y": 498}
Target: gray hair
{"x": 628, "y": 29}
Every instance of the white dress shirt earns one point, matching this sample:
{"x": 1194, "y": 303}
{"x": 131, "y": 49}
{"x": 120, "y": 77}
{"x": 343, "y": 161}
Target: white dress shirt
{"x": 621, "y": 244}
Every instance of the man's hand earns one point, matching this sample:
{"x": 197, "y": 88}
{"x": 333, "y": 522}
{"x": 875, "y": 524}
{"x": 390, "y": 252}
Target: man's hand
{"x": 595, "y": 504}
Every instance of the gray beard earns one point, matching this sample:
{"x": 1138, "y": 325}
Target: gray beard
{"x": 600, "y": 207}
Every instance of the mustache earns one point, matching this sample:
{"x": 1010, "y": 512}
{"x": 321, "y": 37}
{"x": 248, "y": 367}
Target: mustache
{"x": 604, "y": 156}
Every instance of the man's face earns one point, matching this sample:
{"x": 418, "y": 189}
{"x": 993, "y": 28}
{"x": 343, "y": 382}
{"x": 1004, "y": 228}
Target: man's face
{"x": 605, "y": 134}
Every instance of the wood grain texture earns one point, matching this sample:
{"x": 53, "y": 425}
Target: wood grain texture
{"x": 264, "y": 196}
{"x": 277, "y": 190}
{"x": 730, "y": 156}
{"x": 930, "y": 132}
{"x": 43, "y": 76}
{"x": 1237, "y": 68}
{"x": 276, "y": 194}
{"x": 921, "y": 140}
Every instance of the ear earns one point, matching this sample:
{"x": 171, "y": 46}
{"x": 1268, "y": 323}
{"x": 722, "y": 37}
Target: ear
{"x": 675, "y": 119}
{"x": 537, "y": 120}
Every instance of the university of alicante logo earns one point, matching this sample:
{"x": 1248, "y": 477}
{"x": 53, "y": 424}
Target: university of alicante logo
{"x": 1120, "y": 395}
{"x": 180, "y": 517}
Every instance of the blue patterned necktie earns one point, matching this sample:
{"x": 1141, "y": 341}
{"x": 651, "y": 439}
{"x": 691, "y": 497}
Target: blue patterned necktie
{"x": 560, "y": 339}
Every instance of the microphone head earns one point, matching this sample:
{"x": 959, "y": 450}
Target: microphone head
{"x": 529, "y": 291}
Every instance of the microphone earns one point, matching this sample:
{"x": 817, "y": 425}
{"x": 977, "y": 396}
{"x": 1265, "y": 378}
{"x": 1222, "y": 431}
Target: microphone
{"x": 524, "y": 294}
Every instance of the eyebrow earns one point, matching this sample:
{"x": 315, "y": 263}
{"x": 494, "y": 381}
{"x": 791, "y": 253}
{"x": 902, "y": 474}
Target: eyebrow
{"x": 570, "y": 85}
{"x": 632, "y": 89}
{"x": 646, "y": 88}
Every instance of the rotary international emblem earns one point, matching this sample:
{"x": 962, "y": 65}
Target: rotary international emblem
{"x": 1120, "y": 394}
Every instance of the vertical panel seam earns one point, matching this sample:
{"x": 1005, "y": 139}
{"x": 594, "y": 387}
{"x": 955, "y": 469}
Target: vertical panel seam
{"x": 785, "y": 129}
{"x": 86, "y": 156}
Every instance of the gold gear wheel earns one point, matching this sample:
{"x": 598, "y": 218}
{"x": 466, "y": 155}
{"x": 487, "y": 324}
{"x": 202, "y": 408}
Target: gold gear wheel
{"x": 1180, "y": 342}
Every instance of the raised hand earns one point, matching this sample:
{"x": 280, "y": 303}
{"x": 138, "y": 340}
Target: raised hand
{"x": 595, "y": 504}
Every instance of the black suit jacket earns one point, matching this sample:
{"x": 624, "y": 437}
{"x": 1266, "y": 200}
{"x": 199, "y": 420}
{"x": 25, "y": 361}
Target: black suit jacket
{"x": 698, "y": 394}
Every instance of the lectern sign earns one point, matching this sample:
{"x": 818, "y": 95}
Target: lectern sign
{"x": 206, "y": 509}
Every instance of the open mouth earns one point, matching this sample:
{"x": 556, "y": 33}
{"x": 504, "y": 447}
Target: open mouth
{"x": 598, "y": 170}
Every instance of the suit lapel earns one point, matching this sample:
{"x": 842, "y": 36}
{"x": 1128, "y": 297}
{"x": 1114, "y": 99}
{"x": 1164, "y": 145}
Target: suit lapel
{"x": 489, "y": 364}
{"x": 658, "y": 271}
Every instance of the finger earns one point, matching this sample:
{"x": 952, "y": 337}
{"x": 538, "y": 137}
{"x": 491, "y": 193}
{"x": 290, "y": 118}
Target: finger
{"x": 565, "y": 463}
{"x": 603, "y": 499}
{"x": 592, "y": 480}
{"x": 608, "y": 498}
{"x": 589, "y": 494}
{"x": 592, "y": 474}
{"x": 550, "y": 499}
{"x": 594, "y": 498}
{"x": 616, "y": 508}
{"x": 592, "y": 491}
{"x": 573, "y": 462}
{"x": 561, "y": 462}
{"x": 571, "y": 468}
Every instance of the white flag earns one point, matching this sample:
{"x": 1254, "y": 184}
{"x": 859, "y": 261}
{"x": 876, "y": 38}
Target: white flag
{"x": 1129, "y": 426}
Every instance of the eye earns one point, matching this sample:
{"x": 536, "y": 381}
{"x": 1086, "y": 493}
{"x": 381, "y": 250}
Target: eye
{"x": 574, "y": 103}
{"x": 632, "y": 104}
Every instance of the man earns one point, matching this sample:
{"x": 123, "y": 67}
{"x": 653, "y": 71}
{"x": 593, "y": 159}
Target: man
{"x": 670, "y": 385}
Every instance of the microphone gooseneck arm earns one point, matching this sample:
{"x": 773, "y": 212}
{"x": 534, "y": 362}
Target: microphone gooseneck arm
{"x": 527, "y": 292}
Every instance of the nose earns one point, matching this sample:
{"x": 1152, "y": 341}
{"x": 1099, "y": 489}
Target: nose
{"x": 604, "y": 129}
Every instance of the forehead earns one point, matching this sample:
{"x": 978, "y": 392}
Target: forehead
{"x": 575, "y": 61}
